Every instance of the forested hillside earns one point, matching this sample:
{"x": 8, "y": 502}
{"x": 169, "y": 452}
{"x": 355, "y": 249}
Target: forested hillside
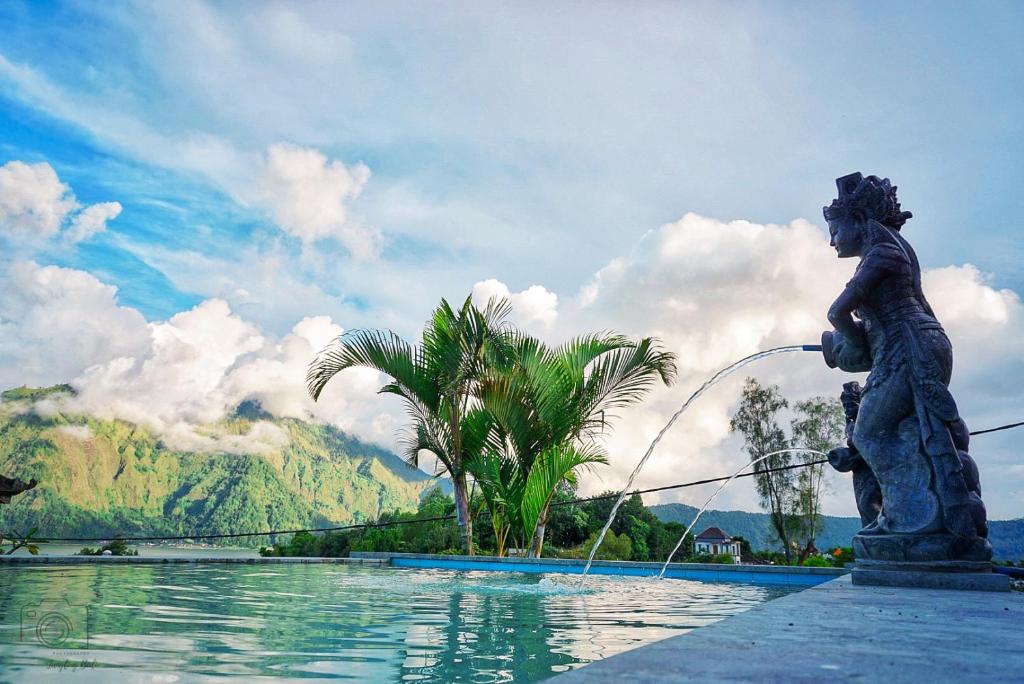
{"x": 101, "y": 477}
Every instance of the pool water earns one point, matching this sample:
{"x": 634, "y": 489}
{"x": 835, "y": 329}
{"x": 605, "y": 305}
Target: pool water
{"x": 175, "y": 623}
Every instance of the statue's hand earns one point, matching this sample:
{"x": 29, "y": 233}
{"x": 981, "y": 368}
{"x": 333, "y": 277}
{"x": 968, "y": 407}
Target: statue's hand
{"x": 849, "y": 354}
{"x": 844, "y": 459}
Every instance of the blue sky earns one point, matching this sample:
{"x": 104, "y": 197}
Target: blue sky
{"x": 534, "y": 144}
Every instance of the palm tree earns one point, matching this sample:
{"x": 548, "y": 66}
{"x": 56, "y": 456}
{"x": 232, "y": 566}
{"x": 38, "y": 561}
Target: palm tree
{"x": 548, "y": 407}
{"x": 436, "y": 379}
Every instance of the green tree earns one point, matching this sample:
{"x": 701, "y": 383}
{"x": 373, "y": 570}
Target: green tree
{"x": 819, "y": 424}
{"x": 614, "y": 547}
{"x": 435, "y": 379}
{"x": 757, "y": 420}
{"x": 568, "y": 524}
{"x": 548, "y": 406}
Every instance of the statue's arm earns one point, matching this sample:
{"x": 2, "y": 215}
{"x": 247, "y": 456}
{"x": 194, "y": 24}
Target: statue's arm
{"x": 840, "y": 314}
{"x": 848, "y": 345}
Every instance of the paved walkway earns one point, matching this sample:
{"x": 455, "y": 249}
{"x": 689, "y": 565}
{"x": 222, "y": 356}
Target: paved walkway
{"x": 840, "y": 633}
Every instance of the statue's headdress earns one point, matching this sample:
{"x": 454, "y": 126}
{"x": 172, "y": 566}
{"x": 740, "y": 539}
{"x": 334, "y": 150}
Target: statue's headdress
{"x": 871, "y": 198}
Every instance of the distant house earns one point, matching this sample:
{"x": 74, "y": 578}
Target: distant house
{"x": 714, "y": 541}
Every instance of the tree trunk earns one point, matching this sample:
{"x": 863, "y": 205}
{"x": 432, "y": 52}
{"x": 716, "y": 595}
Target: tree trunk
{"x": 500, "y": 533}
{"x": 778, "y": 516}
{"x": 779, "y": 521}
{"x": 462, "y": 512}
{"x": 537, "y": 543}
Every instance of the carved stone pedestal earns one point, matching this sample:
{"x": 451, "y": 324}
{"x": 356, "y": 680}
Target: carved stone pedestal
{"x": 921, "y": 548}
{"x": 928, "y": 561}
{"x": 961, "y": 575}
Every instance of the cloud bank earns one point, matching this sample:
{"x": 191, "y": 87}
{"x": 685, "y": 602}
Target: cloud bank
{"x": 176, "y": 377}
{"x": 717, "y": 291}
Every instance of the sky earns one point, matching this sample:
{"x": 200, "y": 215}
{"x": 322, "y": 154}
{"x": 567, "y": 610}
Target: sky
{"x": 196, "y": 197}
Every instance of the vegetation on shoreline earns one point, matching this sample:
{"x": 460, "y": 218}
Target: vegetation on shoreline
{"x": 116, "y": 547}
{"x": 636, "y": 535}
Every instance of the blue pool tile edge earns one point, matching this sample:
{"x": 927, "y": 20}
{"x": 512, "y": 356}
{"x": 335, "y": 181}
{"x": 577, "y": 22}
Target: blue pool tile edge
{"x": 749, "y": 574}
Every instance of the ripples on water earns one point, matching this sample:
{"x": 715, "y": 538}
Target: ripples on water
{"x": 169, "y": 623}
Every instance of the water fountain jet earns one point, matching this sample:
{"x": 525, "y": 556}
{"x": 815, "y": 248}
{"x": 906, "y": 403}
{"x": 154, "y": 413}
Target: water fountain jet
{"x": 708, "y": 384}
{"x": 718, "y": 491}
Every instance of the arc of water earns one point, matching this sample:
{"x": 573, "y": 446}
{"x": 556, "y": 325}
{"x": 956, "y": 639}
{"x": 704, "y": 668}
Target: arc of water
{"x": 711, "y": 382}
{"x": 720, "y": 488}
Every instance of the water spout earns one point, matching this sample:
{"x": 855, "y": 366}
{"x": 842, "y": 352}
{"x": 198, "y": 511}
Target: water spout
{"x": 720, "y": 488}
{"x": 711, "y": 382}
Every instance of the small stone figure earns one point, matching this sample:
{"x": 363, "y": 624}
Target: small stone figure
{"x": 907, "y": 428}
{"x": 11, "y": 486}
{"x": 847, "y": 459}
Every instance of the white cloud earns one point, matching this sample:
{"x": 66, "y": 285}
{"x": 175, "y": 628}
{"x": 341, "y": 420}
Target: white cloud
{"x": 55, "y": 322}
{"x": 33, "y": 201}
{"x": 35, "y": 205}
{"x": 534, "y": 307}
{"x": 178, "y": 376}
{"x": 92, "y": 220}
{"x": 713, "y": 292}
{"x": 276, "y": 377}
{"x": 308, "y": 197}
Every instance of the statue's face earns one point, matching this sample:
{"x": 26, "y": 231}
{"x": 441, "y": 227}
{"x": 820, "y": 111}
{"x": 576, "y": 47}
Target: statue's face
{"x": 847, "y": 237}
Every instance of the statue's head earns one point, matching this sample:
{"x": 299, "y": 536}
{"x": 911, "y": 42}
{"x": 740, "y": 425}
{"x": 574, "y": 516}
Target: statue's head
{"x": 861, "y": 202}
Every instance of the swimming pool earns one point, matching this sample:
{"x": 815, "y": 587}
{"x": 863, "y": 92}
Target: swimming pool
{"x": 170, "y": 623}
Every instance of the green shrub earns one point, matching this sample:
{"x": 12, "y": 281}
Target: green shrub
{"x": 614, "y": 547}
{"x": 720, "y": 558}
{"x": 818, "y": 562}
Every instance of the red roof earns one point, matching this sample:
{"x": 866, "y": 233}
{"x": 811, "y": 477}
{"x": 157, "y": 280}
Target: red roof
{"x": 713, "y": 533}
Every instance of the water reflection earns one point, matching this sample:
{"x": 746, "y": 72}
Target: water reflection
{"x": 335, "y": 622}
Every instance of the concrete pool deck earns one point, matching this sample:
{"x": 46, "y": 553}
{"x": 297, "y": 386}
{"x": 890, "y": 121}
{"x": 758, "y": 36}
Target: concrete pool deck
{"x": 838, "y": 632}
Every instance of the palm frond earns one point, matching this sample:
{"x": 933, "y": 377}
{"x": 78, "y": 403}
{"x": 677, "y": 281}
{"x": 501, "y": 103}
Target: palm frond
{"x": 381, "y": 350}
{"x": 551, "y": 467}
{"x": 623, "y": 376}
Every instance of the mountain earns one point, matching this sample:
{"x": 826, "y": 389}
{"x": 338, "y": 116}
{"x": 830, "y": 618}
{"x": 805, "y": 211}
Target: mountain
{"x": 101, "y": 477}
{"x": 1007, "y": 536}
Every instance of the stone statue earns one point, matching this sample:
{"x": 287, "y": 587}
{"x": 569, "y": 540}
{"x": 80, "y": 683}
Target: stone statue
{"x": 12, "y": 486}
{"x": 848, "y": 459}
{"x": 917, "y": 488}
